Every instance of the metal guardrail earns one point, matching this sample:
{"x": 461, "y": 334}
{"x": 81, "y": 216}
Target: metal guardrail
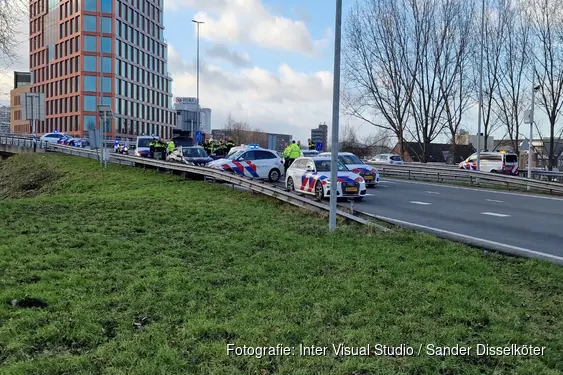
{"x": 17, "y": 141}
{"x": 256, "y": 186}
{"x": 303, "y": 202}
{"x": 444, "y": 174}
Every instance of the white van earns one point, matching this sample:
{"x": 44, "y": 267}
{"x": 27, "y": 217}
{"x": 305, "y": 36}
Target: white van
{"x": 494, "y": 162}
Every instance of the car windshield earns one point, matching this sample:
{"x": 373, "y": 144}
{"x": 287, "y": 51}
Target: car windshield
{"x": 395, "y": 158}
{"x": 511, "y": 158}
{"x": 324, "y": 166}
{"x": 194, "y": 152}
{"x": 350, "y": 159}
{"x": 143, "y": 142}
{"x": 236, "y": 155}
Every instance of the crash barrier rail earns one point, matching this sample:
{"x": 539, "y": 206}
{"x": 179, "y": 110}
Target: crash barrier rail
{"x": 216, "y": 175}
{"x": 17, "y": 141}
{"x": 280, "y": 193}
{"x": 537, "y": 174}
{"x": 439, "y": 174}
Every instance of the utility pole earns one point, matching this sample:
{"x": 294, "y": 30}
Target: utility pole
{"x": 102, "y": 141}
{"x": 481, "y": 87}
{"x": 335, "y": 117}
{"x": 530, "y": 147}
{"x": 197, "y": 96}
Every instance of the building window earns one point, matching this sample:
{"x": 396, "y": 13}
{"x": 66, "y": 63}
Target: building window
{"x": 107, "y": 6}
{"x": 90, "y": 103}
{"x": 90, "y": 123}
{"x": 90, "y": 83}
{"x": 90, "y": 23}
{"x": 90, "y": 43}
{"x": 106, "y": 64}
{"x": 90, "y": 64}
{"x": 106, "y": 24}
{"x": 106, "y": 45}
{"x": 90, "y": 5}
{"x": 106, "y": 84}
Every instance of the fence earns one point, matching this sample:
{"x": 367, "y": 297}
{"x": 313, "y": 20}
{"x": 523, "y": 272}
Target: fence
{"x": 460, "y": 176}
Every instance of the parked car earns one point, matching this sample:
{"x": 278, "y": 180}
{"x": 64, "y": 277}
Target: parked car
{"x": 387, "y": 159}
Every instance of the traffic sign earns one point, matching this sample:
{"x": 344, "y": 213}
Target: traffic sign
{"x": 198, "y": 136}
{"x": 319, "y": 146}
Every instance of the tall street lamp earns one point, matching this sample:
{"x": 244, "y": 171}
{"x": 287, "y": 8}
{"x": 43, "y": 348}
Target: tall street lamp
{"x": 197, "y": 96}
{"x": 335, "y": 117}
{"x": 534, "y": 90}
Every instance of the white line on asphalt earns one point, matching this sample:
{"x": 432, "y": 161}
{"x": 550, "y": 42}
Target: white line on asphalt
{"x": 432, "y": 192}
{"x": 475, "y": 189}
{"x": 473, "y": 241}
{"x": 494, "y": 200}
{"x": 383, "y": 185}
{"x": 388, "y": 182}
{"x": 494, "y": 214}
{"x": 421, "y": 203}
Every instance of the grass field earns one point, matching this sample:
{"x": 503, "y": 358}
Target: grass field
{"x": 145, "y": 273}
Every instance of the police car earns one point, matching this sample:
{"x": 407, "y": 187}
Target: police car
{"x": 311, "y": 175}
{"x": 356, "y": 165}
{"x": 252, "y": 161}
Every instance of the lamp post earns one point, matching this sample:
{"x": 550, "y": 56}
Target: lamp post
{"x": 335, "y": 117}
{"x": 480, "y": 87}
{"x": 534, "y": 90}
{"x": 197, "y": 96}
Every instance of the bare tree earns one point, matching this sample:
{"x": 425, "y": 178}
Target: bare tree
{"x": 456, "y": 84}
{"x": 514, "y": 62}
{"x": 494, "y": 34}
{"x": 238, "y": 131}
{"x": 443, "y": 48}
{"x": 11, "y": 12}
{"x": 548, "y": 26}
{"x": 378, "y": 64}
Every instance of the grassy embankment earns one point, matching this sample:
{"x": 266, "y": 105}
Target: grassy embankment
{"x": 144, "y": 273}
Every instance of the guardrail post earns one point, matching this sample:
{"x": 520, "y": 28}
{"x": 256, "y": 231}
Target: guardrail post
{"x": 438, "y": 176}
{"x": 409, "y": 174}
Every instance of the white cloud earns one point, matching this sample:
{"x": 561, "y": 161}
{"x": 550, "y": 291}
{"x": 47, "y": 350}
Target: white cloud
{"x": 248, "y": 21}
{"x": 286, "y": 102}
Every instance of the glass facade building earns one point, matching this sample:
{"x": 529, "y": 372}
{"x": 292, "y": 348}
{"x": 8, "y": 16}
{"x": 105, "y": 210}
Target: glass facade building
{"x": 89, "y": 52}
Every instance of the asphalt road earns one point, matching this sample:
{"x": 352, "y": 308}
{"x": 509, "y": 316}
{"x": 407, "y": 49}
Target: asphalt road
{"x": 527, "y": 221}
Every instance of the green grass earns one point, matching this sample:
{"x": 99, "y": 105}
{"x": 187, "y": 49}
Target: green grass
{"x": 145, "y": 273}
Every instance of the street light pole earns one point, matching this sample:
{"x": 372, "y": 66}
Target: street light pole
{"x": 197, "y": 98}
{"x": 534, "y": 89}
{"x": 480, "y": 87}
{"x": 335, "y": 116}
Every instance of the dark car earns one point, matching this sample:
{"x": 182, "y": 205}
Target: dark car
{"x": 193, "y": 155}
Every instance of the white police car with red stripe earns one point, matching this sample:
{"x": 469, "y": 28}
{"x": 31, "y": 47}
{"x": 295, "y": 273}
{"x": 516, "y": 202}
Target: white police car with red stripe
{"x": 253, "y": 162}
{"x": 356, "y": 165}
{"x": 311, "y": 175}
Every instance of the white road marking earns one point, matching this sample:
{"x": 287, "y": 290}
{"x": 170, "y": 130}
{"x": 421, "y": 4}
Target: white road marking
{"x": 433, "y": 192}
{"x": 494, "y": 200}
{"x": 473, "y": 241}
{"x": 388, "y": 182}
{"x": 383, "y": 185}
{"x": 494, "y": 214}
{"x": 475, "y": 189}
{"x": 421, "y": 203}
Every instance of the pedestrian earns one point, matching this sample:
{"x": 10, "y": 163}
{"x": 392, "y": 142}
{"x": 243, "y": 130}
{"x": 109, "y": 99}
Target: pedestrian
{"x": 311, "y": 145}
{"x": 294, "y": 153}
{"x": 286, "y": 154}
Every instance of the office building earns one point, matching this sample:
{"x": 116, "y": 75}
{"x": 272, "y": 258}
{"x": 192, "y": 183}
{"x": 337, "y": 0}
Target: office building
{"x": 186, "y": 114}
{"x": 320, "y": 134}
{"x": 4, "y": 119}
{"x": 87, "y": 52}
{"x": 22, "y": 85}
{"x": 272, "y": 141}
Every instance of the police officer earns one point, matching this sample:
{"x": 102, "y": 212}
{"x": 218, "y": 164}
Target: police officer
{"x": 171, "y": 147}
{"x": 152, "y": 145}
{"x": 230, "y": 145}
{"x": 311, "y": 145}
{"x": 294, "y": 153}
{"x": 286, "y": 154}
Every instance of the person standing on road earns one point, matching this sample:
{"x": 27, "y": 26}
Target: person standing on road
{"x": 311, "y": 145}
{"x": 286, "y": 154}
{"x": 230, "y": 145}
{"x": 171, "y": 147}
{"x": 294, "y": 153}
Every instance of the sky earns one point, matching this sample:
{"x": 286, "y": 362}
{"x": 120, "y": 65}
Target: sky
{"x": 267, "y": 62}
